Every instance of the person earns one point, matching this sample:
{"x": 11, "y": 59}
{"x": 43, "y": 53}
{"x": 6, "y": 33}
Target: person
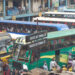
{"x": 27, "y": 8}
{"x": 70, "y": 69}
{"x": 69, "y": 61}
{"x": 13, "y": 72}
{"x": 40, "y": 8}
{"x": 69, "y": 65}
{"x": 45, "y": 66}
{"x": 69, "y": 58}
{"x": 5, "y": 69}
{"x": 8, "y": 71}
{"x": 23, "y": 9}
{"x": 18, "y": 73}
{"x": 58, "y": 67}
{"x": 73, "y": 64}
{"x": 53, "y": 64}
{"x": 64, "y": 68}
{"x": 1, "y": 66}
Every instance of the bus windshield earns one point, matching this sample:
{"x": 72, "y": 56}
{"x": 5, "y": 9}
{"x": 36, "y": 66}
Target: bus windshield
{"x": 21, "y": 53}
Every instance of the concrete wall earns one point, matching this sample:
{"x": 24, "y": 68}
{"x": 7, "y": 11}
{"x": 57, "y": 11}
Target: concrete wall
{"x": 35, "y": 6}
{"x": 10, "y": 3}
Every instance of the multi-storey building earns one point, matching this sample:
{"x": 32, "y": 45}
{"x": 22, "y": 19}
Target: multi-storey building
{"x": 71, "y": 4}
{"x": 26, "y": 9}
{"x": 22, "y": 8}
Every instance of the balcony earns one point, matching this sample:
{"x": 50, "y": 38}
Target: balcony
{"x": 21, "y": 12}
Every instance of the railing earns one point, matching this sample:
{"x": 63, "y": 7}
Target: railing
{"x": 18, "y": 11}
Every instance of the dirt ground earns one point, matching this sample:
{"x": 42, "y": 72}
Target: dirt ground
{"x": 39, "y": 71}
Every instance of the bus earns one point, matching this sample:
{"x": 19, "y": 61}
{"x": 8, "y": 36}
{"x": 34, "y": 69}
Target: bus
{"x": 32, "y": 54}
{"x": 23, "y": 28}
{"x": 69, "y": 22}
{"x": 68, "y": 15}
{"x": 6, "y": 46}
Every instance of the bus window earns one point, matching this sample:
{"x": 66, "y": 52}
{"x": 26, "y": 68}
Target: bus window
{"x": 24, "y": 54}
{"x": 35, "y": 56}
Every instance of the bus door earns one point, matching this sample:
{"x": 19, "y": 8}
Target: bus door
{"x": 34, "y": 59}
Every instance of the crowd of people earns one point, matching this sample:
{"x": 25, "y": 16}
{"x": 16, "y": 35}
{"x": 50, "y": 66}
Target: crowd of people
{"x": 19, "y": 29}
{"x": 54, "y": 66}
{"x": 5, "y": 69}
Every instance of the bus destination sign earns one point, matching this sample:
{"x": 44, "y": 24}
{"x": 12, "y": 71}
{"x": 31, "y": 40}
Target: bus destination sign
{"x": 37, "y": 44}
{"x": 36, "y": 36}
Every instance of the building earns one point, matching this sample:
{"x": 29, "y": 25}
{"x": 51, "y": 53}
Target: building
{"x": 71, "y": 4}
{"x": 22, "y": 8}
{"x": 26, "y": 9}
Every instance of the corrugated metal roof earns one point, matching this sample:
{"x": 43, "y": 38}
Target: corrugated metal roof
{"x": 63, "y": 33}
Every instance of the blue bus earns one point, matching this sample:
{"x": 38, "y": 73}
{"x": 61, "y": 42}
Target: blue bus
{"x": 23, "y": 28}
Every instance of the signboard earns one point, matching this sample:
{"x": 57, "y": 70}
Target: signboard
{"x": 20, "y": 40}
{"x": 37, "y": 44}
{"x": 64, "y": 58}
{"x": 36, "y": 36}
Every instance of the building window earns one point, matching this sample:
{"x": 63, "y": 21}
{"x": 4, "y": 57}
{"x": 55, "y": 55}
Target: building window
{"x": 7, "y": 3}
{"x": 62, "y": 2}
{"x": 72, "y": 1}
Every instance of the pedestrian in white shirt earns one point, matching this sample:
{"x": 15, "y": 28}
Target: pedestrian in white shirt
{"x": 45, "y": 66}
{"x": 53, "y": 64}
